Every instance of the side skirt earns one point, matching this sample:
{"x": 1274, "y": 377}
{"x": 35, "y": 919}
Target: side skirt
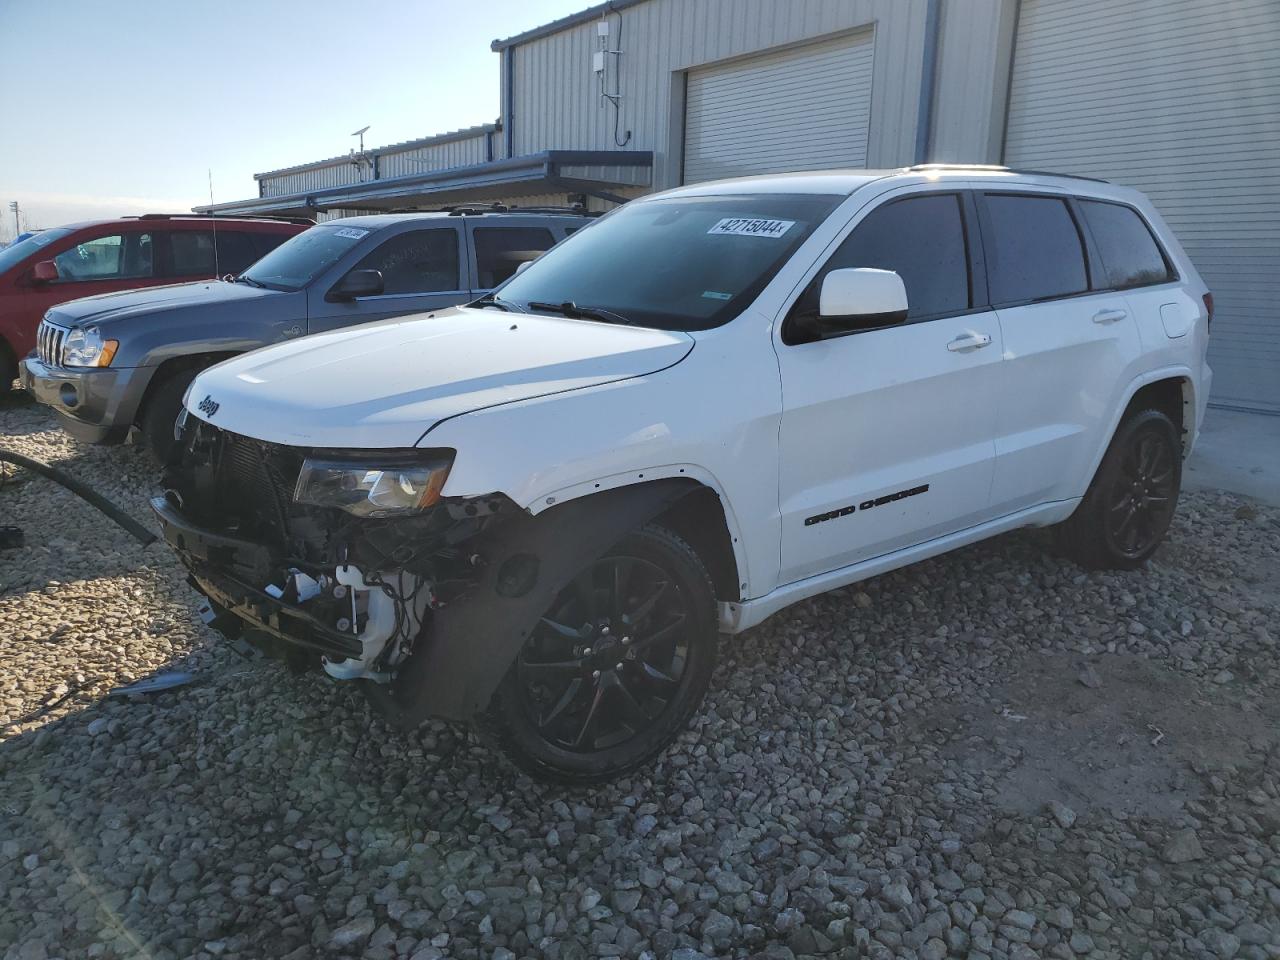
{"x": 736, "y": 617}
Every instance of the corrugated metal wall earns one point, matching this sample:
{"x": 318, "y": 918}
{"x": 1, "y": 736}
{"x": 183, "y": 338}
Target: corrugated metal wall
{"x": 1180, "y": 99}
{"x": 393, "y": 161}
{"x": 972, "y": 80}
{"x": 557, "y": 102}
{"x": 336, "y": 174}
{"x": 441, "y": 156}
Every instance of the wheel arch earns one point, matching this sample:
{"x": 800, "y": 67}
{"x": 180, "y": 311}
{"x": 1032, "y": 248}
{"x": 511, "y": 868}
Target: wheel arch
{"x": 469, "y": 644}
{"x": 174, "y": 366}
{"x": 704, "y": 519}
{"x": 1174, "y": 396}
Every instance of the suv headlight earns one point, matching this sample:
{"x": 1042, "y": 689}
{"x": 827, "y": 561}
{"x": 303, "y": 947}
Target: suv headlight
{"x": 86, "y": 348}
{"x": 373, "y": 488}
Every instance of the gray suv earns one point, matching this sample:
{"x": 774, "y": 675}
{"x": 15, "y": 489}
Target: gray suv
{"x": 112, "y": 362}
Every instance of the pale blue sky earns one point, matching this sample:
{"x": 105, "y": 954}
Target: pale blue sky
{"x": 110, "y": 107}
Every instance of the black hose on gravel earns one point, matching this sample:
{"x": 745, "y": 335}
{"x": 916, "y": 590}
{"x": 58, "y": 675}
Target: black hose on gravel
{"x": 83, "y": 491}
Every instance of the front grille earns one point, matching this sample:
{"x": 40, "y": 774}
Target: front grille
{"x": 49, "y": 341}
{"x": 259, "y": 471}
{"x": 257, "y": 480}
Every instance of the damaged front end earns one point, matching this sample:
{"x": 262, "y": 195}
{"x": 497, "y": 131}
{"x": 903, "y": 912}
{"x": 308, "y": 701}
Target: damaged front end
{"x": 325, "y": 558}
{"x": 429, "y": 605}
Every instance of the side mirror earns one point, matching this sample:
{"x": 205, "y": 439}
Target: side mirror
{"x": 860, "y": 298}
{"x": 523, "y": 267}
{"x": 46, "y": 271}
{"x": 357, "y": 283}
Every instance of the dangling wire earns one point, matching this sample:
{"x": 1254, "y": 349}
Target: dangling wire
{"x": 614, "y": 98}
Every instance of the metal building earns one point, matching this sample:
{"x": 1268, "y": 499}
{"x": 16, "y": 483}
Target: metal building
{"x": 1176, "y": 97}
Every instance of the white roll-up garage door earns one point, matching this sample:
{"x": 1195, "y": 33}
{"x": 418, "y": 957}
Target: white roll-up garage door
{"x": 1181, "y": 99}
{"x": 804, "y": 108}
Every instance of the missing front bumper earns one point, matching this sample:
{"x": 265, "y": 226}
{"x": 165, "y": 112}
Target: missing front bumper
{"x": 211, "y": 557}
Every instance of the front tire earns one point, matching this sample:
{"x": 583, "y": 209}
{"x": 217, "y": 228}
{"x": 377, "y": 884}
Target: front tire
{"x": 8, "y": 368}
{"x": 616, "y": 667}
{"x": 160, "y": 414}
{"x": 1130, "y": 504}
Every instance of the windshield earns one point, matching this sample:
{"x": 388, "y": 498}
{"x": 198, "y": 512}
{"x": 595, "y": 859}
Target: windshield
{"x": 685, "y": 263}
{"x": 298, "y": 260}
{"x": 14, "y": 254}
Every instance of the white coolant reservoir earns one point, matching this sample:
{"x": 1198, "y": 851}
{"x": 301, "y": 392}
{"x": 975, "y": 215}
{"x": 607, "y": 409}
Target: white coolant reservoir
{"x": 380, "y": 623}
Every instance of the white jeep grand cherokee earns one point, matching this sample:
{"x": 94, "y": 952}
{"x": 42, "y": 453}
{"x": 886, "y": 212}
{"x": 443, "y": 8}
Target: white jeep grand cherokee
{"x": 539, "y": 510}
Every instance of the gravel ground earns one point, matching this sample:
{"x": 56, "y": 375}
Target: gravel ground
{"x": 987, "y": 755}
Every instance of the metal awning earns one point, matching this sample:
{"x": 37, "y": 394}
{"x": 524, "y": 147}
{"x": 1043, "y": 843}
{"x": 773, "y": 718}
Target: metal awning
{"x": 596, "y": 173}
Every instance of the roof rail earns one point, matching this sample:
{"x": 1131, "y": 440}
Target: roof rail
{"x": 571, "y": 209}
{"x": 474, "y": 209}
{"x": 230, "y": 216}
{"x": 1000, "y": 168}
{"x": 479, "y": 209}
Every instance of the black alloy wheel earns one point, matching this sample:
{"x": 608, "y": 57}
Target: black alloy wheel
{"x": 1142, "y": 495}
{"x": 616, "y": 665}
{"x": 1129, "y": 507}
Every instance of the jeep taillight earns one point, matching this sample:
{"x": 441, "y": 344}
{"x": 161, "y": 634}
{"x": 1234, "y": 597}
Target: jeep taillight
{"x": 1208, "y": 306}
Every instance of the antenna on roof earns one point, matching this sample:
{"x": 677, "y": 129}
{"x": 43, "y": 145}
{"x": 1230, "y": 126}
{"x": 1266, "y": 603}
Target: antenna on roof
{"x": 213, "y": 222}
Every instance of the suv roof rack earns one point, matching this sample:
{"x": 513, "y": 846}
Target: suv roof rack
{"x": 1000, "y": 168}
{"x": 479, "y": 209}
{"x": 229, "y": 216}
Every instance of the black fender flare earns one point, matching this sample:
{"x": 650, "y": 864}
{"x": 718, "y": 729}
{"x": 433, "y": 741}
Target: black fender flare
{"x": 468, "y": 645}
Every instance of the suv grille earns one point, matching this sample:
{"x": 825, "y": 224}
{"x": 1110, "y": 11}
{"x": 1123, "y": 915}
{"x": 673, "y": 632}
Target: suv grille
{"x": 254, "y": 474}
{"x": 247, "y": 484}
{"x": 49, "y": 340}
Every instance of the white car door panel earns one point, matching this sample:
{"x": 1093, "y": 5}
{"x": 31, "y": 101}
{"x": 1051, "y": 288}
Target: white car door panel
{"x": 861, "y": 425}
{"x": 1067, "y": 352}
{"x": 1064, "y": 370}
{"x": 886, "y": 436}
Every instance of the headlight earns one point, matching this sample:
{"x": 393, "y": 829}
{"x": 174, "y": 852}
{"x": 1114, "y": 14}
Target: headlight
{"x": 86, "y": 348}
{"x": 373, "y": 489}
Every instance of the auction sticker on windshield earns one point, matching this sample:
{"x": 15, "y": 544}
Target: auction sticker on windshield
{"x": 751, "y": 227}
{"x": 350, "y": 233}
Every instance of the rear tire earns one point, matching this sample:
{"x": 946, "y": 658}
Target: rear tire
{"x": 616, "y": 668}
{"x": 160, "y": 414}
{"x": 1127, "y": 511}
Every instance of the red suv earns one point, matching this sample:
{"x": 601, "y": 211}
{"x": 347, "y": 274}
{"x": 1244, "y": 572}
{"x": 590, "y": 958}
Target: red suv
{"x": 83, "y": 259}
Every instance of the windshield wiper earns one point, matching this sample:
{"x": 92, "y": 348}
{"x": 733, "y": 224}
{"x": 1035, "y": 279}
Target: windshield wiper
{"x": 241, "y": 278}
{"x": 493, "y": 300}
{"x": 567, "y": 308}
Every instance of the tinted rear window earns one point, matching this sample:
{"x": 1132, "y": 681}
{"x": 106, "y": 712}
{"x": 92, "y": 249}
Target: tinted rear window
{"x": 1034, "y": 252}
{"x": 191, "y": 252}
{"x": 1129, "y": 253}
{"x": 501, "y": 250}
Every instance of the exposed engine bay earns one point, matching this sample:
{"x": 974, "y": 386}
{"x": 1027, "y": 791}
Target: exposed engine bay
{"x": 313, "y": 585}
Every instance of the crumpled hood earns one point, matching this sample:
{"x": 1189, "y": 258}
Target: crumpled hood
{"x": 127, "y": 304}
{"x": 385, "y": 384}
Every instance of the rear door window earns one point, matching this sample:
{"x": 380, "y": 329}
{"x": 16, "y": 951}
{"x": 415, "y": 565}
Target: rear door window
{"x": 501, "y": 250}
{"x": 1129, "y": 253}
{"x": 921, "y": 239}
{"x": 417, "y": 261}
{"x": 1033, "y": 249}
{"x": 191, "y": 252}
{"x": 117, "y": 256}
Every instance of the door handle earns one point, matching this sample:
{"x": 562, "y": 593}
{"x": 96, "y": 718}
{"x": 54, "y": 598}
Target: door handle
{"x": 969, "y": 341}
{"x": 1109, "y": 316}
